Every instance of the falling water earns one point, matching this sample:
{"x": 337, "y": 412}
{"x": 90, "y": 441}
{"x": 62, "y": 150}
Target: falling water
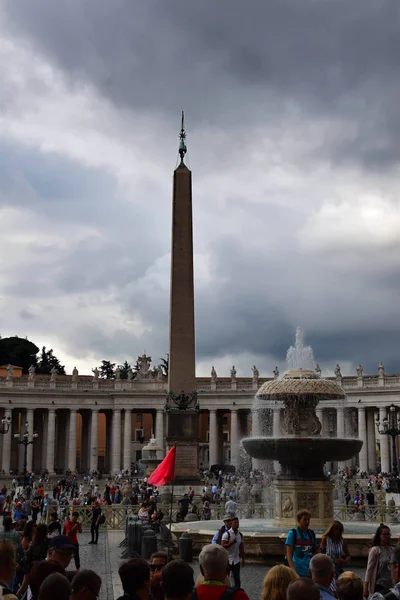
{"x": 300, "y": 357}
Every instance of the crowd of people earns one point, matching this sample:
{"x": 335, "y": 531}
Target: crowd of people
{"x": 37, "y": 546}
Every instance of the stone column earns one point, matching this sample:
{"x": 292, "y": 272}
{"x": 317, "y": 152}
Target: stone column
{"x": 51, "y": 429}
{"x": 384, "y": 443}
{"x": 340, "y": 431}
{"x": 362, "y": 434}
{"x": 234, "y": 438}
{"x": 128, "y": 440}
{"x": 371, "y": 441}
{"x": 213, "y": 438}
{"x": 6, "y": 458}
{"x": 43, "y": 462}
{"x": 94, "y": 440}
{"x": 116, "y": 447}
{"x": 29, "y": 456}
{"x": 21, "y": 448}
{"x": 72, "y": 441}
{"x": 160, "y": 431}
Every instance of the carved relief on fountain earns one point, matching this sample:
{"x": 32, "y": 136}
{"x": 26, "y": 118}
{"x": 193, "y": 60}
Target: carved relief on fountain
{"x": 300, "y": 417}
{"x": 287, "y": 505}
{"x": 310, "y": 501}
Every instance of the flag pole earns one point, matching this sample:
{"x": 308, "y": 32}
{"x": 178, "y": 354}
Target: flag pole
{"x": 170, "y": 514}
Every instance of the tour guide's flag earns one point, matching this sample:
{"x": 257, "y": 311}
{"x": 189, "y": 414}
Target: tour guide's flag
{"x": 165, "y": 471}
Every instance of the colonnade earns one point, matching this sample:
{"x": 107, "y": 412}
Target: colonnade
{"x": 59, "y": 447}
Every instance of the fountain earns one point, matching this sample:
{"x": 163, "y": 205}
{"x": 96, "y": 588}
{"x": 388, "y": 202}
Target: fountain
{"x": 297, "y": 444}
{"x": 150, "y": 460}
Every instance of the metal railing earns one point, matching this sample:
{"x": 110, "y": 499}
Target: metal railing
{"x": 116, "y": 513}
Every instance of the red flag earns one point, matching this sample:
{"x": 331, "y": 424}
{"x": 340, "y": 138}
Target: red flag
{"x": 165, "y": 471}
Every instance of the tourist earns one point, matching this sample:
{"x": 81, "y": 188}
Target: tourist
{"x": 214, "y": 567}
{"x": 54, "y": 527}
{"x": 158, "y": 560}
{"x": 231, "y": 507}
{"x": 227, "y": 519}
{"x": 377, "y": 575}
{"x": 206, "y": 511}
{"x": 333, "y": 545}
{"x": 38, "y": 551}
{"x": 135, "y": 579}
{"x": 8, "y": 565}
{"x": 303, "y": 589}
{"x": 301, "y": 544}
{"x": 177, "y": 580}
{"x": 95, "y": 522}
{"x": 55, "y": 586}
{"x": 394, "y": 592}
{"x": 322, "y": 573}
{"x": 349, "y": 587}
{"x": 276, "y": 582}
{"x": 71, "y": 529}
{"x": 61, "y": 550}
{"x": 232, "y": 541}
{"x": 184, "y": 507}
{"x": 85, "y": 585}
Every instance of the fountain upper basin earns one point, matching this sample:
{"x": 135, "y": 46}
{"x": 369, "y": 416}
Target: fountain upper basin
{"x": 312, "y": 449}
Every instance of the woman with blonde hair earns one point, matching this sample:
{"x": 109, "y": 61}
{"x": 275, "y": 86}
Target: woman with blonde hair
{"x": 333, "y": 545}
{"x": 276, "y": 582}
{"x": 349, "y": 586}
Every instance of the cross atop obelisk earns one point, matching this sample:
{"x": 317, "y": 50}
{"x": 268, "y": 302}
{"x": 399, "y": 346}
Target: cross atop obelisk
{"x": 182, "y": 403}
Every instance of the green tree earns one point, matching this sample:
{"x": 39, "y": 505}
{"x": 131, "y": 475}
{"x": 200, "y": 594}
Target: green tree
{"x": 107, "y": 370}
{"x": 19, "y": 352}
{"x": 47, "y": 361}
{"x": 124, "y": 370}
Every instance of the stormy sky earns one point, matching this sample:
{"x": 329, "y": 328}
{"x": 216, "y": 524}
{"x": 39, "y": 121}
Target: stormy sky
{"x": 294, "y": 142}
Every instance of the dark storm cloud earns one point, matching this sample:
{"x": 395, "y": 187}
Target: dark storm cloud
{"x": 320, "y": 78}
{"x": 232, "y": 62}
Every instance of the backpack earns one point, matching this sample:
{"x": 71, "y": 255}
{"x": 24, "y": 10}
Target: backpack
{"x": 294, "y": 531}
{"x": 228, "y": 594}
{"x": 221, "y": 533}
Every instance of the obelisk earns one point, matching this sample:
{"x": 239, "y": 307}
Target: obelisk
{"x": 182, "y": 407}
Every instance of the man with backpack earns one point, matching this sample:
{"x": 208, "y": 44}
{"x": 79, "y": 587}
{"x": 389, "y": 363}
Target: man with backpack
{"x": 301, "y": 544}
{"x": 214, "y": 566}
{"x": 232, "y": 541}
{"x": 227, "y": 519}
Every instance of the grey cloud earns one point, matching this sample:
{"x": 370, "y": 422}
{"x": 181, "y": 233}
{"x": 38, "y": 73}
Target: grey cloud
{"x": 234, "y": 67}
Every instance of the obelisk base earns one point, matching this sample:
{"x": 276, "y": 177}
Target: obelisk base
{"x": 183, "y": 429}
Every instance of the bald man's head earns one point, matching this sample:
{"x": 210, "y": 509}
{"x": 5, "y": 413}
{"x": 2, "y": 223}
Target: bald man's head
{"x": 321, "y": 569}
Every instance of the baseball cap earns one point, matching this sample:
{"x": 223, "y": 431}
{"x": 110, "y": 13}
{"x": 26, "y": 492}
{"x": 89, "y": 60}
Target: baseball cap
{"x": 59, "y": 542}
{"x": 227, "y": 517}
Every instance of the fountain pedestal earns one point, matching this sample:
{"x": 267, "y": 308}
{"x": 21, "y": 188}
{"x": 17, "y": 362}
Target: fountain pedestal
{"x": 294, "y": 495}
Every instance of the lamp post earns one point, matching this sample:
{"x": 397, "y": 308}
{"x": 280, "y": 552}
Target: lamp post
{"x": 5, "y": 425}
{"x": 25, "y": 441}
{"x": 391, "y": 426}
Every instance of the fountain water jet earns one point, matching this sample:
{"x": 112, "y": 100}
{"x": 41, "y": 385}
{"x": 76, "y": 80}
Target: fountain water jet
{"x": 300, "y": 449}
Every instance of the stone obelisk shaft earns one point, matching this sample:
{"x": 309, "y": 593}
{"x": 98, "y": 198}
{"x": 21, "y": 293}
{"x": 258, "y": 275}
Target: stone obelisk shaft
{"x": 182, "y": 370}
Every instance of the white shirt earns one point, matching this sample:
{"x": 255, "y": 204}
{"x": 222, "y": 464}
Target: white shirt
{"x": 230, "y": 506}
{"x": 233, "y": 551}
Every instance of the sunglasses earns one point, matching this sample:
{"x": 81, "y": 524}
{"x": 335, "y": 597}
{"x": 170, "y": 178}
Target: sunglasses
{"x": 156, "y": 567}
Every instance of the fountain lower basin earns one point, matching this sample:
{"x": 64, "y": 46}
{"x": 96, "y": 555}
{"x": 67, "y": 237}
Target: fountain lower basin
{"x": 302, "y": 456}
